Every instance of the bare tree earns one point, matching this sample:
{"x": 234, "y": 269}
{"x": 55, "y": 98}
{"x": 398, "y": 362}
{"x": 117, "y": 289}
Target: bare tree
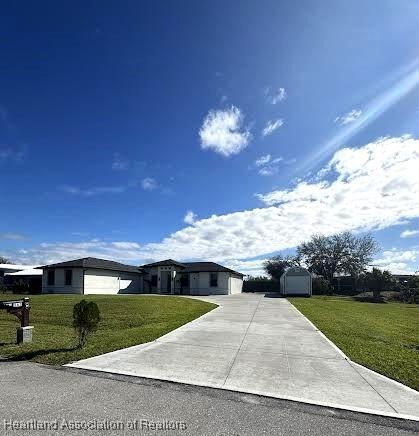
{"x": 4, "y": 260}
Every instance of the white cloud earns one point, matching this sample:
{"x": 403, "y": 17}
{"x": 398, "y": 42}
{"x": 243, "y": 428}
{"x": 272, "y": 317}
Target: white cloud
{"x": 263, "y": 160}
{"x": 12, "y": 236}
{"x": 409, "y": 233}
{"x": 223, "y": 132}
{"x": 271, "y": 126}
{"x": 349, "y": 117}
{"x": 373, "y": 187}
{"x": 275, "y": 96}
{"x": 399, "y": 261}
{"x": 118, "y": 163}
{"x": 89, "y": 192}
{"x": 149, "y": 184}
{"x": 267, "y": 165}
{"x": 190, "y": 217}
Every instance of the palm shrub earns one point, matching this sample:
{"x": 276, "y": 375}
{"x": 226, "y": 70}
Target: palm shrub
{"x": 86, "y": 317}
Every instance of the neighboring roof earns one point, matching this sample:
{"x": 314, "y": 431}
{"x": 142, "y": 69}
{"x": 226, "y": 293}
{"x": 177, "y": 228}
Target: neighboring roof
{"x": 193, "y": 266}
{"x": 26, "y": 272}
{"x": 9, "y": 268}
{"x": 166, "y": 262}
{"x": 95, "y": 263}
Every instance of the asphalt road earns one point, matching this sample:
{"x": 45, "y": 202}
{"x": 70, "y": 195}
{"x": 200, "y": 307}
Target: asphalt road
{"x": 58, "y": 401}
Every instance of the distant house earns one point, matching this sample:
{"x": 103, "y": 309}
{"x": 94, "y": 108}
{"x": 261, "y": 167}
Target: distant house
{"x": 98, "y": 276}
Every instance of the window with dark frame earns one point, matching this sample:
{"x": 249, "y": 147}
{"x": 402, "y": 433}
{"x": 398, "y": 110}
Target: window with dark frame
{"x": 51, "y": 277}
{"x": 68, "y": 277}
{"x": 213, "y": 280}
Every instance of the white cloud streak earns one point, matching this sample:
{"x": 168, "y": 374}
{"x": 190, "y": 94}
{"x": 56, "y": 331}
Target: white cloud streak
{"x": 271, "y": 126}
{"x": 149, "y": 184}
{"x": 349, "y": 117}
{"x": 409, "y": 233}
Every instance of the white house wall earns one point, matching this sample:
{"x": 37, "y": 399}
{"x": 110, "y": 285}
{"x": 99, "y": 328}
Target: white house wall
{"x": 200, "y": 284}
{"x": 236, "y": 285}
{"x": 111, "y": 282}
{"x": 59, "y": 287}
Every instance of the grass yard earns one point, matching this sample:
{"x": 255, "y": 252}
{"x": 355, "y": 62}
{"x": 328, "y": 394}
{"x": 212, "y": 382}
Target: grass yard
{"x": 382, "y": 337}
{"x": 126, "y": 321}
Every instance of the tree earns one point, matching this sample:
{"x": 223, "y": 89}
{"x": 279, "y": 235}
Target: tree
{"x": 277, "y": 265}
{"x": 377, "y": 281}
{"x": 86, "y": 317}
{"x": 343, "y": 253}
{"x": 4, "y": 260}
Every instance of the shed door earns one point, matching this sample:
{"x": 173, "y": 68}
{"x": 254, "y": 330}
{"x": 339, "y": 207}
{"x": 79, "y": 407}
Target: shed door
{"x": 297, "y": 285}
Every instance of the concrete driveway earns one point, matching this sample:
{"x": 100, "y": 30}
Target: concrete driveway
{"x": 256, "y": 344}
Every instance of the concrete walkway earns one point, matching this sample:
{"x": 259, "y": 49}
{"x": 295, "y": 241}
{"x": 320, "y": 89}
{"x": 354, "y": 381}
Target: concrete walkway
{"x": 261, "y": 345}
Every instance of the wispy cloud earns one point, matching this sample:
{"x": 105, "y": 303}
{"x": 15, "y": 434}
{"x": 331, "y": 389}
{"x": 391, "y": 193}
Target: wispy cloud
{"x": 268, "y": 165}
{"x": 149, "y": 184}
{"x": 276, "y": 95}
{"x": 13, "y": 236}
{"x": 190, "y": 217}
{"x": 271, "y": 126}
{"x": 349, "y": 117}
{"x": 409, "y": 233}
{"x": 402, "y": 83}
{"x": 88, "y": 192}
{"x": 223, "y": 132}
{"x": 119, "y": 163}
{"x": 12, "y": 154}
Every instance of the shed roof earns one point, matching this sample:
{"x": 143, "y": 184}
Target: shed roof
{"x": 95, "y": 263}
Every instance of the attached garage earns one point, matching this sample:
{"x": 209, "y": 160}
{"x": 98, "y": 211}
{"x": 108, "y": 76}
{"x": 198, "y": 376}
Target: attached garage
{"x": 296, "y": 281}
{"x": 91, "y": 276}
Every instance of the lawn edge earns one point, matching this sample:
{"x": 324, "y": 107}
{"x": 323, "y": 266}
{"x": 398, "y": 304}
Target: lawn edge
{"x": 144, "y": 344}
{"x": 352, "y": 362}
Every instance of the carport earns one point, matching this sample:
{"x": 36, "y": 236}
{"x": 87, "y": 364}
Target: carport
{"x": 296, "y": 281}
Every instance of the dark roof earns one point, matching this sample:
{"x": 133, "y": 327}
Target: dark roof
{"x": 207, "y": 267}
{"x": 163, "y": 263}
{"x": 193, "y": 266}
{"x": 95, "y": 263}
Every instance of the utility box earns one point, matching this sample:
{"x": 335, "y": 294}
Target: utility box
{"x": 296, "y": 281}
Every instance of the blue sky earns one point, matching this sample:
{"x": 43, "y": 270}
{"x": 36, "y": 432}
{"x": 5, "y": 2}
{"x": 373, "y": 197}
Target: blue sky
{"x": 117, "y": 119}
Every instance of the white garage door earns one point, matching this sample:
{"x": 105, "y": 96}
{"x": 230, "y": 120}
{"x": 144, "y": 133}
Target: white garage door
{"x": 101, "y": 282}
{"x": 297, "y": 285}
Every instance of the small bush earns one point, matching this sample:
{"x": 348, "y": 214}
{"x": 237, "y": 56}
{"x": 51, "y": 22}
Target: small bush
{"x": 86, "y": 317}
{"x": 408, "y": 295}
{"x": 320, "y": 286}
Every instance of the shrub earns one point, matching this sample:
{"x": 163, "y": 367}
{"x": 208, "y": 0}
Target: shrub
{"x": 408, "y": 295}
{"x": 86, "y": 317}
{"x": 320, "y": 286}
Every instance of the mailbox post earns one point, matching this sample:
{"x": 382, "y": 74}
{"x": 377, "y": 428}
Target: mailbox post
{"x": 20, "y": 308}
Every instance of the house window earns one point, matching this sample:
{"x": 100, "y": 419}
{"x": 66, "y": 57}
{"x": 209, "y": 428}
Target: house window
{"x": 51, "y": 277}
{"x": 154, "y": 280}
{"x": 68, "y": 277}
{"x": 213, "y": 280}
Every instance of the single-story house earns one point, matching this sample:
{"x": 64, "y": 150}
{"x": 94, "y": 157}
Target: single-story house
{"x": 98, "y": 276}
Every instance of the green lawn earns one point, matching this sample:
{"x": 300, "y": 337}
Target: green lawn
{"x": 126, "y": 321}
{"x": 382, "y": 337}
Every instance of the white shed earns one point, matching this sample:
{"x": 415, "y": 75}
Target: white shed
{"x": 296, "y": 281}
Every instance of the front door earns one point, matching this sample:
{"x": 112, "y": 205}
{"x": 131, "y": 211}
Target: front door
{"x": 166, "y": 282}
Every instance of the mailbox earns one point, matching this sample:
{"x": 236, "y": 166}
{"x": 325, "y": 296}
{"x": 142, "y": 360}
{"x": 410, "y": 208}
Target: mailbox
{"x": 20, "y": 308}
